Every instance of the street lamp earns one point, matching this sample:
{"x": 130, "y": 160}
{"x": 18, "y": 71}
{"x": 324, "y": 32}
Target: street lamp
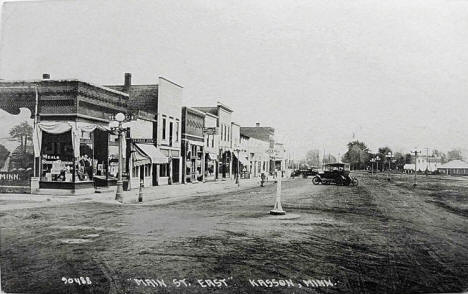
{"x": 238, "y": 165}
{"x": 372, "y": 165}
{"x": 377, "y": 161}
{"x": 116, "y": 127}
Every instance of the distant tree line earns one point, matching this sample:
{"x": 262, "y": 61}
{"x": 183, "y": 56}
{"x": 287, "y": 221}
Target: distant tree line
{"x": 359, "y": 157}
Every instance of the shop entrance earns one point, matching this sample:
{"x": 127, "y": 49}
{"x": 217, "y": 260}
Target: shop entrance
{"x": 175, "y": 170}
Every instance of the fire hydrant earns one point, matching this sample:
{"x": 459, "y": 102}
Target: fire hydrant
{"x": 262, "y": 181}
{"x": 140, "y": 191}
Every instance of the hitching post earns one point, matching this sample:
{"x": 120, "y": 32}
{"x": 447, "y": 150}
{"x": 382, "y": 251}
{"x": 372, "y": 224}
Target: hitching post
{"x": 278, "y": 209}
{"x": 140, "y": 191}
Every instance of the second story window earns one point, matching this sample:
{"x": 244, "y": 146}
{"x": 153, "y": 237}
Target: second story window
{"x": 164, "y": 129}
{"x": 177, "y": 132}
{"x": 222, "y": 132}
{"x": 171, "y": 132}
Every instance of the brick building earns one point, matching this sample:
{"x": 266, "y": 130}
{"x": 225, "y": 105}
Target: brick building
{"x": 72, "y": 145}
{"x": 193, "y": 153}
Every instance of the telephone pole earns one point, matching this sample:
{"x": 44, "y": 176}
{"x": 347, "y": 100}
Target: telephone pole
{"x": 415, "y": 165}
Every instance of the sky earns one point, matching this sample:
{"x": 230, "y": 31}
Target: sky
{"x": 389, "y": 73}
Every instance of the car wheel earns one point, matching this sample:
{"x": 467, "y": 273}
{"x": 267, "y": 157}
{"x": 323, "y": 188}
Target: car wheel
{"x": 315, "y": 181}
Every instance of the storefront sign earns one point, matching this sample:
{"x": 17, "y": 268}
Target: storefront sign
{"x": 143, "y": 141}
{"x": 210, "y": 131}
{"x": 20, "y": 178}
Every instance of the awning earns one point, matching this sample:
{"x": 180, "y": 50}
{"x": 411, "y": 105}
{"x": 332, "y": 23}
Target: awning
{"x": 139, "y": 158}
{"x": 212, "y": 156}
{"x": 243, "y": 158}
{"x": 154, "y": 153}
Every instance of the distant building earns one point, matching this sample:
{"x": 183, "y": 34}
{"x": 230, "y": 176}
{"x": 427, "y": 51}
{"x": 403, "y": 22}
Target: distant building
{"x": 211, "y": 137}
{"x": 259, "y": 141}
{"x": 454, "y": 167}
{"x": 224, "y": 121}
{"x": 193, "y": 123}
{"x": 423, "y": 163}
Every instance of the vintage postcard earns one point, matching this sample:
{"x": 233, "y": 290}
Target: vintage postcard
{"x": 220, "y": 146}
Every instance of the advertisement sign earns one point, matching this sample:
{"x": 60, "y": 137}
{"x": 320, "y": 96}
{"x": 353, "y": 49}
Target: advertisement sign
{"x": 17, "y": 178}
{"x": 210, "y": 131}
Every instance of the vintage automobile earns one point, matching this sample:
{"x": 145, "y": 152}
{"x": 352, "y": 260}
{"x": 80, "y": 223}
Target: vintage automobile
{"x": 309, "y": 172}
{"x": 335, "y": 173}
{"x": 304, "y": 172}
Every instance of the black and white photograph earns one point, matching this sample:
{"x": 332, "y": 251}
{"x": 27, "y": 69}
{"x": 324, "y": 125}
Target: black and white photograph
{"x": 233, "y": 146}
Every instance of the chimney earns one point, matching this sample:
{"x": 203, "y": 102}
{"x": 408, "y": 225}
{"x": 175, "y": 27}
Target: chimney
{"x": 45, "y": 76}
{"x": 257, "y": 125}
{"x": 127, "y": 80}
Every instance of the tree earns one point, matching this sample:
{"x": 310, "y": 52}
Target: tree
{"x": 22, "y": 133}
{"x": 313, "y": 157}
{"x": 454, "y": 154}
{"x": 383, "y": 153}
{"x": 400, "y": 160}
{"x": 4, "y": 153}
{"x": 22, "y": 157}
{"x": 437, "y": 153}
{"x": 357, "y": 155}
{"x": 329, "y": 159}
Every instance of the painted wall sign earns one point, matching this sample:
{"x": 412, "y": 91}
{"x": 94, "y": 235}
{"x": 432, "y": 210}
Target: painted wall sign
{"x": 15, "y": 178}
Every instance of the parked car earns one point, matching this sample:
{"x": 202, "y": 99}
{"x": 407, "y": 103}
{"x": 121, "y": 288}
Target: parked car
{"x": 304, "y": 172}
{"x": 309, "y": 172}
{"x": 335, "y": 173}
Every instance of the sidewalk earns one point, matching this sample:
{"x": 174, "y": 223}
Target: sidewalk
{"x": 178, "y": 192}
{"x": 151, "y": 195}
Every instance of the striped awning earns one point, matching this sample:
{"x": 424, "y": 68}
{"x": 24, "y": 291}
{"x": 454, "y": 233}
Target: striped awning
{"x": 140, "y": 158}
{"x": 155, "y": 155}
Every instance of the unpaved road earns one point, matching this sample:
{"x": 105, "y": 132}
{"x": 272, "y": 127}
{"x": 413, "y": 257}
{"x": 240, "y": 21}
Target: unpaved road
{"x": 380, "y": 237}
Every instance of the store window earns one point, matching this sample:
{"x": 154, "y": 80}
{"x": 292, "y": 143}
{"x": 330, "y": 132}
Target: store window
{"x": 57, "y": 158}
{"x": 85, "y": 164}
{"x": 163, "y": 170}
{"x": 147, "y": 170}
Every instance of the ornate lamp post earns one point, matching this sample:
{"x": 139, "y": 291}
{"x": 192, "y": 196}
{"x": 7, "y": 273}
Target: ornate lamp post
{"x": 238, "y": 150}
{"x": 377, "y": 159}
{"x": 116, "y": 127}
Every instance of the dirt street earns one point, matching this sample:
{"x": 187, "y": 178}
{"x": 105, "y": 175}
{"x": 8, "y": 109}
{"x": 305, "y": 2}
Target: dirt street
{"x": 380, "y": 237}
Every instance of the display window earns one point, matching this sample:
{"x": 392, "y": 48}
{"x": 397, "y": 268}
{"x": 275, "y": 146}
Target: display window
{"x": 85, "y": 164}
{"x": 57, "y": 158}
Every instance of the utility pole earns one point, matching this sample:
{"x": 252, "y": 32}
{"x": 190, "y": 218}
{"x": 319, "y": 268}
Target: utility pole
{"x": 415, "y": 165}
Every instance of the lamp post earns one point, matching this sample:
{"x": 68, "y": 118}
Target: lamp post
{"x": 116, "y": 127}
{"x": 372, "y": 165}
{"x": 377, "y": 158}
{"x": 238, "y": 165}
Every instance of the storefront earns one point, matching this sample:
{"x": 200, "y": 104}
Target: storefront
{"x": 243, "y": 164}
{"x": 211, "y": 165}
{"x": 69, "y": 156}
{"x": 193, "y": 164}
{"x": 147, "y": 164}
{"x": 225, "y": 164}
